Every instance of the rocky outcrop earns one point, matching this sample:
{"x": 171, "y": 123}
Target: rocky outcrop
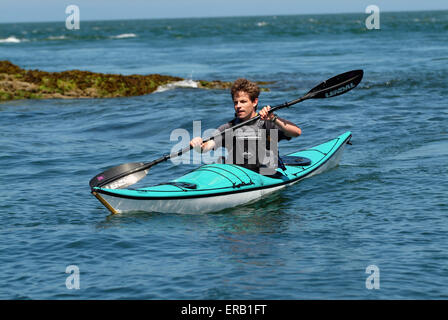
{"x": 17, "y": 83}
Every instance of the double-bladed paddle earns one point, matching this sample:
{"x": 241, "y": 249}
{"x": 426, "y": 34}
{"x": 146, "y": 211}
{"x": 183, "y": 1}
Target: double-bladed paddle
{"x": 128, "y": 174}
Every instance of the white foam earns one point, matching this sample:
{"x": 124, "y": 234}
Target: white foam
{"x": 262, "y": 24}
{"x": 10, "y": 39}
{"x": 57, "y": 37}
{"x": 178, "y": 84}
{"x": 124, "y": 36}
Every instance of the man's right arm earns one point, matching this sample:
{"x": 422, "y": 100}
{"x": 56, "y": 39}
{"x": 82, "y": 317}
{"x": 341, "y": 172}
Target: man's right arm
{"x": 199, "y": 146}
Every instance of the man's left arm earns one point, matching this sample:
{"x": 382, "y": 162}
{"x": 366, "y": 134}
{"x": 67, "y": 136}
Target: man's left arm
{"x": 288, "y": 128}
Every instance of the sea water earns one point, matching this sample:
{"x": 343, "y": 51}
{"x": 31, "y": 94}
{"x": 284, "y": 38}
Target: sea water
{"x": 380, "y": 217}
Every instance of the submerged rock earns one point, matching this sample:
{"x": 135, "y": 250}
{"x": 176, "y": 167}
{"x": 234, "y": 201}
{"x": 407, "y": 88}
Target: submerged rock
{"x": 17, "y": 83}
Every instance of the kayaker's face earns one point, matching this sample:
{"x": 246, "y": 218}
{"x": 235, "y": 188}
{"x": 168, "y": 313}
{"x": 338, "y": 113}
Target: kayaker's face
{"x": 244, "y": 107}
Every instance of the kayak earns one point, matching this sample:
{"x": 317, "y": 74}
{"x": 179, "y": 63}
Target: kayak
{"x": 214, "y": 187}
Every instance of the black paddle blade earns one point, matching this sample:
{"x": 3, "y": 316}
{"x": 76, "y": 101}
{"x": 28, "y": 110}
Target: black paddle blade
{"x": 337, "y": 85}
{"x": 117, "y": 177}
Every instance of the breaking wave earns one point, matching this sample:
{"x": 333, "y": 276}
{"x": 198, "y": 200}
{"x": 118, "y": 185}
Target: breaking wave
{"x": 10, "y": 39}
{"x": 178, "y": 84}
{"x": 124, "y": 36}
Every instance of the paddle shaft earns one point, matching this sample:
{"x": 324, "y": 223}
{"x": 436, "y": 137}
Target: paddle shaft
{"x": 239, "y": 125}
{"x": 309, "y": 95}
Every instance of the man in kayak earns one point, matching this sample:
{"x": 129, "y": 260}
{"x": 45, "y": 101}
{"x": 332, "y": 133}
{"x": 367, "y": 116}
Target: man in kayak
{"x": 262, "y": 155}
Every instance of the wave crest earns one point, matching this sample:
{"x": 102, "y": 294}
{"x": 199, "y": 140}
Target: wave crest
{"x": 178, "y": 84}
{"x": 124, "y": 36}
{"x": 10, "y": 39}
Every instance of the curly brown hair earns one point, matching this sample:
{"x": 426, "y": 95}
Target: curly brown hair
{"x": 251, "y": 88}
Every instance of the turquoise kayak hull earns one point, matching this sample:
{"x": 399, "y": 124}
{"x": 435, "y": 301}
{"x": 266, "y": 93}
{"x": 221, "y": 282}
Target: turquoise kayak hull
{"x": 215, "y": 187}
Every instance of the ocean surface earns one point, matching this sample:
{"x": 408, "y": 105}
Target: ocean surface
{"x": 385, "y": 204}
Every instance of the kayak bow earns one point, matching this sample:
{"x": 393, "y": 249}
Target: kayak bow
{"x": 214, "y": 187}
